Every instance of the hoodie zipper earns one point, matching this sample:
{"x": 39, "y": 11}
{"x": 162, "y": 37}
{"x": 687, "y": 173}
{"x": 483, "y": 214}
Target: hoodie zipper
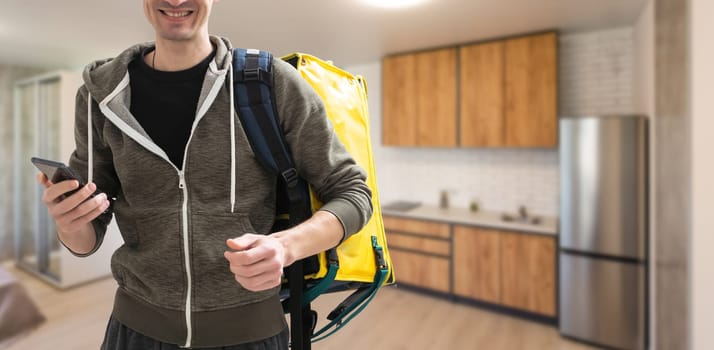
{"x": 187, "y": 263}
{"x": 184, "y": 209}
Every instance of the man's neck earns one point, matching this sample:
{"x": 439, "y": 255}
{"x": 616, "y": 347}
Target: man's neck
{"x": 174, "y": 56}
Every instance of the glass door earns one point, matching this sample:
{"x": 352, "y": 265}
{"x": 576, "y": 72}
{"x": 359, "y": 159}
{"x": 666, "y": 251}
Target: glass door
{"x": 36, "y": 134}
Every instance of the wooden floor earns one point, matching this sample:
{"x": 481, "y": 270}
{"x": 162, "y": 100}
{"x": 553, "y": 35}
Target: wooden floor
{"x": 396, "y": 319}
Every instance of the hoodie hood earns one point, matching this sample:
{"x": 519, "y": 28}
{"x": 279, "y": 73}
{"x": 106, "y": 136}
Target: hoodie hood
{"x": 101, "y": 77}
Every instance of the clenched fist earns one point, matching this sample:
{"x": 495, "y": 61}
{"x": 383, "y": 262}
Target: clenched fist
{"x": 257, "y": 261}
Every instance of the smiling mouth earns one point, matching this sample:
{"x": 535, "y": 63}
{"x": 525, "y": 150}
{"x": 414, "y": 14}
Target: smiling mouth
{"x": 176, "y": 14}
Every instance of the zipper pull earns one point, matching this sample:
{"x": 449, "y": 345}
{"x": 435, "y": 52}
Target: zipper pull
{"x": 182, "y": 180}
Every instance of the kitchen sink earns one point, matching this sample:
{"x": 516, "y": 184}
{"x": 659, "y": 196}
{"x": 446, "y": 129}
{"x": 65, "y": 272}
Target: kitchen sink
{"x": 531, "y": 220}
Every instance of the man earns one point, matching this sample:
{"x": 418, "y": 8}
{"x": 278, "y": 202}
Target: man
{"x": 157, "y": 135}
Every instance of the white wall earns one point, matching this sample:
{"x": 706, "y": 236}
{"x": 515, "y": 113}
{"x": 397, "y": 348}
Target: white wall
{"x": 595, "y": 77}
{"x": 702, "y": 239}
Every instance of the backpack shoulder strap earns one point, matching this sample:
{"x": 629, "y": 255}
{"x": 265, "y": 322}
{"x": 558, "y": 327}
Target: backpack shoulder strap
{"x": 253, "y": 84}
{"x": 255, "y": 103}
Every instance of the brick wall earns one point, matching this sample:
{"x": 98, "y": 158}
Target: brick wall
{"x": 595, "y": 73}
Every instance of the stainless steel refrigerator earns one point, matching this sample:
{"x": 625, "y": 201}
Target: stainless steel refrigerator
{"x": 603, "y": 230}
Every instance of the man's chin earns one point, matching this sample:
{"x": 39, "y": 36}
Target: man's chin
{"x": 177, "y": 36}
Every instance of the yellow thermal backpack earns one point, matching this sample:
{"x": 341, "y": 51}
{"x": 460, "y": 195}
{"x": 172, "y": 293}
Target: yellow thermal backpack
{"x": 359, "y": 263}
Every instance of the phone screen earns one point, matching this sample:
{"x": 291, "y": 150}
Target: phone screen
{"x": 57, "y": 172}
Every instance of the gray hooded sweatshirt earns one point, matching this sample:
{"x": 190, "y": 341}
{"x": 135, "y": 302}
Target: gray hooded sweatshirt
{"x": 174, "y": 282}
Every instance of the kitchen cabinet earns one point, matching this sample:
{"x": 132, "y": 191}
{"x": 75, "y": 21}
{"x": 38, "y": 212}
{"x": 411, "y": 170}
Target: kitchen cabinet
{"x": 508, "y": 92}
{"x": 424, "y": 271}
{"x": 417, "y": 227}
{"x": 528, "y": 272}
{"x": 477, "y": 263}
{"x": 512, "y": 269}
{"x": 530, "y": 84}
{"x": 419, "y": 99}
{"x": 506, "y": 95}
{"x": 515, "y": 270}
{"x": 482, "y": 100}
{"x": 420, "y": 252}
{"x": 398, "y": 100}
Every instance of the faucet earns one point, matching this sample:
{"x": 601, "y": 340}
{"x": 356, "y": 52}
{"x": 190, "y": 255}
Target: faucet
{"x": 523, "y": 212}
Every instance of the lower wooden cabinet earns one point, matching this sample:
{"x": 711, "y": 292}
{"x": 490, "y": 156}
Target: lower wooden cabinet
{"x": 425, "y": 271}
{"x": 507, "y": 268}
{"x": 421, "y": 252}
{"x": 528, "y": 272}
{"x": 516, "y": 270}
{"x": 477, "y": 261}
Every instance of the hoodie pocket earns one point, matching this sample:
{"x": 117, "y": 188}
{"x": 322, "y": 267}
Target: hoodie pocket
{"x": 215, "y": 286}
{"x": 151, "y": 263}
{"x": 129, "y": 231}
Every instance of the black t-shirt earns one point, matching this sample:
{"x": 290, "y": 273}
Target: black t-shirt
{"x": 165, "y": 103}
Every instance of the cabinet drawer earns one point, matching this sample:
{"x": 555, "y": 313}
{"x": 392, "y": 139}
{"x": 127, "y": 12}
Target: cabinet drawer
{"x": 419, "y": 270}
{"x": 426, "y": 245}
{"x": 419, "y": 227}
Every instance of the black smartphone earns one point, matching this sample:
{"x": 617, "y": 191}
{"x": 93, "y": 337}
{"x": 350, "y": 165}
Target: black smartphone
{"x": 58, "y": 172}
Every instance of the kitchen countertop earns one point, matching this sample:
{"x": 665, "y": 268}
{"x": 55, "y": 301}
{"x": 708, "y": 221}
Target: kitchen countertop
{"x": 463, "y": 216}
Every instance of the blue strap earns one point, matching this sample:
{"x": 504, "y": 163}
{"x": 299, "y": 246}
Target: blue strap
{"x": 254, "y": 103}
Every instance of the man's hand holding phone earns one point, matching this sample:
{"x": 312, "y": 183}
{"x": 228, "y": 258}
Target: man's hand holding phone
{"x": 71, "y": 213}
{"x": 73, "y": 207}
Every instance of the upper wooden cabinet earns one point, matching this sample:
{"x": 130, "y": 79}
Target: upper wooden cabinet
{"x": 419, "y": 99}
{"x": 508, "y": 93}
{"x": 398, "y": 100}
{"x": 531, "y": 97}
{"x": 482, "y": 95}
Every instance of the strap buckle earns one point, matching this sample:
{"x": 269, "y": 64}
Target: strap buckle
{"x": 251, "y": 74}
{"x": 290, "y": 176}
{"x": 254, "y": 75}
{"x": 378, "y": 254}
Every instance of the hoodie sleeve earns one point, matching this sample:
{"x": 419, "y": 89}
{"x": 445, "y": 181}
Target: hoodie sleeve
{"x": 320, "y": 157}
{"x": 104, "y": 175}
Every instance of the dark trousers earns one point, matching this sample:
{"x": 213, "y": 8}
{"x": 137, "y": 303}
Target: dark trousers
{"x": 121, "y": 337}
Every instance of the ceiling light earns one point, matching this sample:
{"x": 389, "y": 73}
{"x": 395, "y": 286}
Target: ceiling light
{"x": 394, "y": 3}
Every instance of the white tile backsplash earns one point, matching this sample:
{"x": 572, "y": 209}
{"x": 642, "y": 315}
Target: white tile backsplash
{"x": 595, "y": 77}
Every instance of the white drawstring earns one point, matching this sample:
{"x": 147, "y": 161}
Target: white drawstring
{"x": 233, "y": 139}
{"x": 90, "y": 148}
